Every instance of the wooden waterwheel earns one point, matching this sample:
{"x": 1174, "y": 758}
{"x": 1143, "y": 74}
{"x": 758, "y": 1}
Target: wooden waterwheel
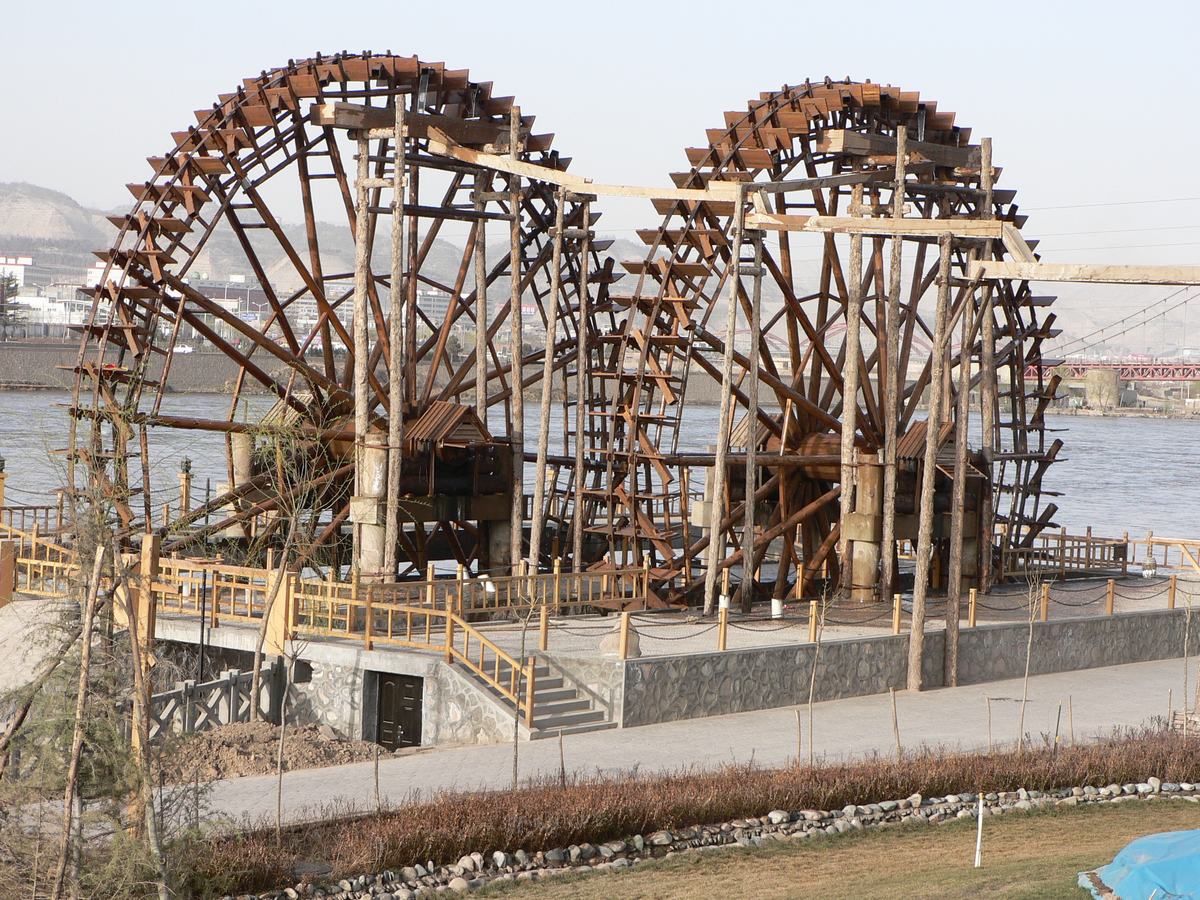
{"x": 279, "y": 148}
{"x": 824, "y": 144}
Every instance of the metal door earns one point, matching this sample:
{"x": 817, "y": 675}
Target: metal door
{"x": 399, "y": 713}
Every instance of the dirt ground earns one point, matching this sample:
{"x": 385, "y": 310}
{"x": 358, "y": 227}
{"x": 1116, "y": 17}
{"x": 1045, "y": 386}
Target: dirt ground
{"x": 250, "y": 748}
{"x": 1026, "y": 856}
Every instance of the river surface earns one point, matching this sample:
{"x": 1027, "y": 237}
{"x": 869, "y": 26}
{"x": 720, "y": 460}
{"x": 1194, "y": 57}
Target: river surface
{"x": 1115, "y": 474}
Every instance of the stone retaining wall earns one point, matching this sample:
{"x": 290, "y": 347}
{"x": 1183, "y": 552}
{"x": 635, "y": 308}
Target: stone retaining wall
{"x": 668, "y": 688}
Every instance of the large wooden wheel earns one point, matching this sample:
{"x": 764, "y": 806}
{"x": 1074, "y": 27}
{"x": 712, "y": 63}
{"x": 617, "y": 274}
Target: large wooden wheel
{"x": 642, "y": 479}
{"x": 278, "y": 144}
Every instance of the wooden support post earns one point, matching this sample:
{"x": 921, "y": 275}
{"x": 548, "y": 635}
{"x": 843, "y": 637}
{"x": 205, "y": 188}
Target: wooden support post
{"x": 517, "y": 435}
{"x": 813, "y": 613}
{"x": 581, "y": 391}
{"x": 850, "y": 372}
{"x": 916, "y": 643}
{"x": 543, "y": 441}
{"x": 362, "y": 263}
{"x": 973, "y": 605}
{"x": 1109, "y": 596}
{"x": 722, "y": 628}
{"x": 449, "y": 636}
{"x": 431, "y": 587}
{"x": 897, "y": 610}
{"x": 1171, "y": 586}
{"x": 3, "y": 477}
{"x": 481, "y": 303}
{"x": 396, "y": 293}
{"x": 958, "y": 500}
{"x": 716, "y": 543}
{"x": 749, "y": 519}
{"x": 1045, "y": 614}
{"x": 893, "y": 377}
{"x": 544, "y": 628}
{"x": 623, "y": 637}
{"x": 988, "y": 400}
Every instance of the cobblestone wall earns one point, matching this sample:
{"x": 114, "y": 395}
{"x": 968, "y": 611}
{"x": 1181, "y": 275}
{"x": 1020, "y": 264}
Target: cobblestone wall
{"x": 667, "y": 688}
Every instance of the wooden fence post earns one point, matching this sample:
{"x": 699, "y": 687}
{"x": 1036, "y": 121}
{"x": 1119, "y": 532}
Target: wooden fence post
{"x": 279, "y": 621}
{"x": 544, "y": 628}
{"x": 972, "y": 604}
{"x": 623, "y": 639}
{"x": 1045, "y": 600}
{"x": 812, "y": 621}
{"x": 897, "y": 610}
{"x": 557, "y": 586}
{"x": 8, "y": 571}
{"x": 722, "y": 627}
{"x": 449, "y": 636}
{"x": 1125, "y": 558}
{"x": 369, "y": 624}
{"x": 1170, "y": 592}
{"x": 1108, "y": 602}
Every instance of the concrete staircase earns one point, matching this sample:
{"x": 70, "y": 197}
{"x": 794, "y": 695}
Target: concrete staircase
{"x": 558, "y": 705}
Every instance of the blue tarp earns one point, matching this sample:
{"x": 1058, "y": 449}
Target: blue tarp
{"x": 1162, "y": 866}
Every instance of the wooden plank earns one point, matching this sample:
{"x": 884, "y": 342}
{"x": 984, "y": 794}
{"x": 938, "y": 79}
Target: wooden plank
{"x": 442, "y": 144}
{"x": 1016, "y": 245}
{"x": 959, "y": 228}
{"x": 858, "y": 144}
{"x": 1085, "y": 273}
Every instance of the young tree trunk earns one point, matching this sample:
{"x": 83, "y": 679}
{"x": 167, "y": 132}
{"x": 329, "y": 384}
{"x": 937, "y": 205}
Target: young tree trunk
{"x": 141, "y": 713}
{"x": 85, "y": 659}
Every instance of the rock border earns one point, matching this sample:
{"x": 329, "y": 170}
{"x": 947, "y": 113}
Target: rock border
{"x": 476, "y": 870}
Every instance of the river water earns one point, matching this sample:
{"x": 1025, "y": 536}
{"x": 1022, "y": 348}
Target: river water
{"x": 1115, "y": 474}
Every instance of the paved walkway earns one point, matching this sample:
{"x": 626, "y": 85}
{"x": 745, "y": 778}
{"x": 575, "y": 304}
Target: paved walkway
{"x": 953, "y": 718}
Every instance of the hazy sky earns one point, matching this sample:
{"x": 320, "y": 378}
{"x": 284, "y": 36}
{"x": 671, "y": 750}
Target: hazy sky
{"x": 1087, "y": 103}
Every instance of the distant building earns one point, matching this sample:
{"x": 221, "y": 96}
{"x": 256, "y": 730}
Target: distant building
{"x": 15, "y": 267}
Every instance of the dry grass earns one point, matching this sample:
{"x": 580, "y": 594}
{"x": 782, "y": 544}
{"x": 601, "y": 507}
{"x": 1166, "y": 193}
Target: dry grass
{"x": 544, "y": 816}
{"x": 1035, "y": 855}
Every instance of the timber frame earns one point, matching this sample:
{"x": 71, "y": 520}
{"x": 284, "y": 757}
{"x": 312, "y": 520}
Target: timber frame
{"x": 848, "y": 376}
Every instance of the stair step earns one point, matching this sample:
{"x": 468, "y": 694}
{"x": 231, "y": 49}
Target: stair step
{"x": 579, "y": 718}
{"x": 559, "y": 708}
{"x": 570, "y": 729}
{"x": 552, "y": 695}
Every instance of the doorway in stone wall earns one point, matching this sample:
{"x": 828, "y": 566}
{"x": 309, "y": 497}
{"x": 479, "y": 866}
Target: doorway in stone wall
{"x": 398, "y": 713}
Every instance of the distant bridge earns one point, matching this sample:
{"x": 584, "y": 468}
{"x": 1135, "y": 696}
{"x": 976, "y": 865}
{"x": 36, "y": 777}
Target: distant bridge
{"x": 1126, "y": 369}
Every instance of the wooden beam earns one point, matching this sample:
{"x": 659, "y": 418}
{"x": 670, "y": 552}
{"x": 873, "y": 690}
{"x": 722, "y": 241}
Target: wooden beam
{"x": 442, "y": 144}
{"x": 1084, "y": 273}
{"x": 858, "y": 144}
{"x": 959, "y": 228}
{"x": 356, "y": 117}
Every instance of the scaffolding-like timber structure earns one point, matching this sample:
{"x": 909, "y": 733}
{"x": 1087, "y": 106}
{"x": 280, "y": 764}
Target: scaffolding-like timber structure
{"x": 836, "y": 256}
